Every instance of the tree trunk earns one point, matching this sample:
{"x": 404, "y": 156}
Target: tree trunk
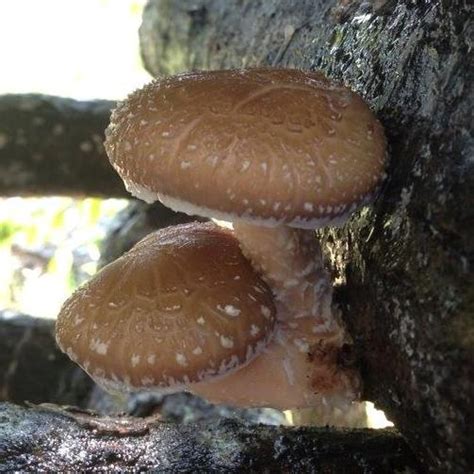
{"x": 406, "y": 263}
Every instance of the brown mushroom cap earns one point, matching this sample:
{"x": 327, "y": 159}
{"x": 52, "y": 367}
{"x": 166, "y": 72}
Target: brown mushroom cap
{"x": 266, "y": 145}
{"x": 182, "y": 306}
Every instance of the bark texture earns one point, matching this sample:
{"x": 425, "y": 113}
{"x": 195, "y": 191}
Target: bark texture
{"x": 405, "y": 264}
{"x": 33, "y": 368}
{"x": 50, "y": 439}
{"x": 135, "y": 222}
{"x": 53, "y": 146}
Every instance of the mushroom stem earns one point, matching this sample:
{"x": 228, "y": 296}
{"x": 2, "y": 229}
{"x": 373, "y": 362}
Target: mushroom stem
{"x": 301, "y": 366}
{"x": 297, "y": 369}
{"x": 290, "y": 261}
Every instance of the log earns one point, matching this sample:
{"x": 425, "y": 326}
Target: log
{"x": 405, "y": 264}
{"x": 53, "y": 146}
{"x": 52, "y": 439}
{"x": 33, "y": 368}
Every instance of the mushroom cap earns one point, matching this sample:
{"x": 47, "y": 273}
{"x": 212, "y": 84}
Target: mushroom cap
{"x": 271, "y": 146}
{"x": 182, "y": 306}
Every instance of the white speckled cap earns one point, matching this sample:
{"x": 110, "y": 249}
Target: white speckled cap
{"x": 182, "y": 306}
{"x": 265, "y": 145}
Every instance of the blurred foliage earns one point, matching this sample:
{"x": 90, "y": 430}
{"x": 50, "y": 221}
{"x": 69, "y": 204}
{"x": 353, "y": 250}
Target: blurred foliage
{"x": 48, "y": 246}
{"x": 7, "y": 229}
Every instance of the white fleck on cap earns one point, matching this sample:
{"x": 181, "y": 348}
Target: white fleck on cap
{"x": 159, "y": 316}
{"x": 271, "y": 146}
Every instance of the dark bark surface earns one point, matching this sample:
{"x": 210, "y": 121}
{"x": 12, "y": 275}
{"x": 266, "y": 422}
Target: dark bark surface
{"x": 50, "y": 439}
{"x": 53, "y": 146}
{"x": 406, "y": 262}
{"x": 32, "y": 368}
{"x": 133, "y": 223}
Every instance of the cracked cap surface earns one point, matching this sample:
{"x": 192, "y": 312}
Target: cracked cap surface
{"x": 274, "y": 146}
{"x": 182, "y": 306}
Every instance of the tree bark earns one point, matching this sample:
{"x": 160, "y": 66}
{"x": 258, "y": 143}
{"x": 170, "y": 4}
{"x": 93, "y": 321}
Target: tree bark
{"x": 135, "y": 222}
{"x": 53, "y": 146}
{"x": 405, "y": 264}
{"x": 47, "y": 438}
{"x": 33, "y": 368}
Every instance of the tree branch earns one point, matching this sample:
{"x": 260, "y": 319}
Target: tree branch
{"x": 53, "y": 146}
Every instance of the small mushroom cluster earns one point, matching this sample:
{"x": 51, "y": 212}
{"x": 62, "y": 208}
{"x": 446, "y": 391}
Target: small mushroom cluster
{"x": 241, "y": 316}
